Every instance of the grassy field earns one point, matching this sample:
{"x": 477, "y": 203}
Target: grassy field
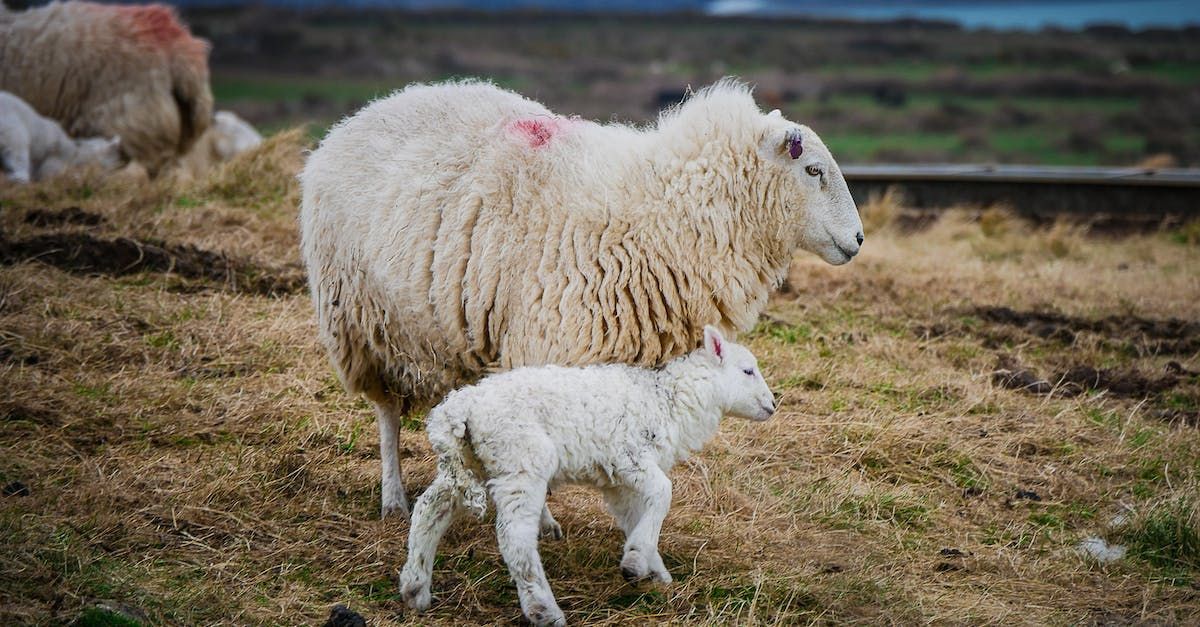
{"x": 962, "y": 406}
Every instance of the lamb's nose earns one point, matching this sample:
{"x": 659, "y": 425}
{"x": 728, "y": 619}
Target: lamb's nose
{"x": 860, "y": 238}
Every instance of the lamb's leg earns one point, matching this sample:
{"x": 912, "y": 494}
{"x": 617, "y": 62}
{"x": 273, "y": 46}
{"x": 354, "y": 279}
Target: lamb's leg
{"x": 16, "y": 163}
{"x": 435, "y": 510}
{"x": 518, "y": 510}
{"x": 389, "y": 413}
{"x": 640, "y": 508}
{"x": 548, "y": 527}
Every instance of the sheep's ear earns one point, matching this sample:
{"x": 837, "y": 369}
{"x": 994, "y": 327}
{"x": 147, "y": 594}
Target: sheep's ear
{"x": 774, "y": 114}
{"x": 786, "y": 144}
{"x": 714, "y": 343}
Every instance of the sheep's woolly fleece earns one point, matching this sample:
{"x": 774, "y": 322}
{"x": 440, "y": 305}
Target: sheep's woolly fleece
{"x": 450, "y": 229}
{"x": 99, "y": 70}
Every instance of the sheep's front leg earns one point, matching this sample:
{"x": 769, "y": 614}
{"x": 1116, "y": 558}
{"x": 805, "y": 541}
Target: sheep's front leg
{"x": 388, "y": 414}
{"x": 640, "y": 508}
{"x": 520, "y": 501}
{"x": 434, "y": 512}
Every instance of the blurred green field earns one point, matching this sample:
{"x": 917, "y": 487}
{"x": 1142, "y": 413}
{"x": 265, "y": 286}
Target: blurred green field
{"x": 877, "y": 92}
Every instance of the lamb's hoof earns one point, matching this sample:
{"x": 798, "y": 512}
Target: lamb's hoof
{"x": 416, "y": 595}
{"x": 540, "y": 615}
{"x": 634, "y": 567}
{"x": 551, "y": 531}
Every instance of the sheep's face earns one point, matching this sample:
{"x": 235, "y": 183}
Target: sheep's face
{"x": 739, "y": 387}
{"x": 103, "y": 153}
{"x": 813, "y": 191}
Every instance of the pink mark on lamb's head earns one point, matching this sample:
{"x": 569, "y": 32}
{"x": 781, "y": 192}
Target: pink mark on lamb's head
{"x": 537, "y": 132}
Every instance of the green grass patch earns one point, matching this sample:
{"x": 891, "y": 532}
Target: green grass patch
{"x": 1168, "y": 537}
{"x": 268, "y": 88}
{"x": 852, "y": 146}
{"x": 101, "y": 617}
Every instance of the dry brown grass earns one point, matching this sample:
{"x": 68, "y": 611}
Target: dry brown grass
{"x": 189, "y": 452}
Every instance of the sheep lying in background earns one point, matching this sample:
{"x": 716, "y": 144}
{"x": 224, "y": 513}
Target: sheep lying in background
{"x": 33, "y": 148}
{"x": 227, "y": 137}
{"x": 615, "y": 427}
{"x": 450, "y": 229}
{"x": 101, "y": 70}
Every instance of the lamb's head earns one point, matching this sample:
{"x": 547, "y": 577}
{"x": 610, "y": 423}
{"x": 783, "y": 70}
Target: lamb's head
{"x": 98, "y": 151}
{"x": 738, "y": 387}
{"x": 813, "y": 189}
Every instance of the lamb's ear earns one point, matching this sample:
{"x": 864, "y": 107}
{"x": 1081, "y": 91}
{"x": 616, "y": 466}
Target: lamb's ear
{"x": 714, "y": 343}
{"x": 774, "y": 114}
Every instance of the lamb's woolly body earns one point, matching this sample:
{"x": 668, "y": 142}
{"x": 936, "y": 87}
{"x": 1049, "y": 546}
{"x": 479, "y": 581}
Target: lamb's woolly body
{"x": 102, "y": 70}
{"x": 594, "y": 421}
{"x": 33, "y": 147}
{"x": 614, "y": 427}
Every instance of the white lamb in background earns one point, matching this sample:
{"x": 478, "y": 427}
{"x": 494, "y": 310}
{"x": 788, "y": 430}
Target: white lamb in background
{"x": 616, "y": 427}
{"x": 33, "y": 147}
{"x": 227, "y": 137}
{"x": 454, "y": 229}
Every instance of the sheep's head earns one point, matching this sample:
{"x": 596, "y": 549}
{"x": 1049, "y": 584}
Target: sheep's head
{"x": 813, "y": 190}
{"x": 739, "y": 386}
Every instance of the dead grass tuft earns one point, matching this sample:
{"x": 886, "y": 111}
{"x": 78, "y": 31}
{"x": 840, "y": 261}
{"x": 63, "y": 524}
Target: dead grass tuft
{"x": 188, "y": 452}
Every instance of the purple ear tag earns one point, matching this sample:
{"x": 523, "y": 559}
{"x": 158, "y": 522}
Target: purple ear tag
{"x": 795, "y": 147}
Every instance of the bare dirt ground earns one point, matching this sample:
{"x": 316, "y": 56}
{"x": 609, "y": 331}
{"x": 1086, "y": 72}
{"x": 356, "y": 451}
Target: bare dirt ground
{"x": 962, "y": 406}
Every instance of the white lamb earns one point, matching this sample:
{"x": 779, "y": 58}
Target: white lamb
{"x": 227, "y": 137}
{"x": 616, "y": 427}
{"x": 33, "y": 148}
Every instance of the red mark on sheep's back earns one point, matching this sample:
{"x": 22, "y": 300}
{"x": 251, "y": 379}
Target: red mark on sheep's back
{"x": 158, "y": 27}
{"x": 154, "y": 23}
{"x": 537, "y": 131}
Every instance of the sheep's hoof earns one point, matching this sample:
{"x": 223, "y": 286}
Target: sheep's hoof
{"x": 540, "y": 614}
{"x": 416, "y": 595}
{"x": 397, "y": 509}
{"x": 551, "y": 531}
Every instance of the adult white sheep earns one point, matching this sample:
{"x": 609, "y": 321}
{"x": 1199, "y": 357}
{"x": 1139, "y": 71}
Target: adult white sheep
{"x": 449, "y": 229}
{"x": 613, "y": 427}
{"x": 33, "y": 148}
{"x": 100, "y": 70}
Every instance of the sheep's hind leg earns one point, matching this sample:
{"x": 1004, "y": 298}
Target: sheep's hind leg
{"x": 434, "y": 511}
{"x": 389, "y": 412}
{"x": 518, "y": 510}
{"x": 640, "y": 509}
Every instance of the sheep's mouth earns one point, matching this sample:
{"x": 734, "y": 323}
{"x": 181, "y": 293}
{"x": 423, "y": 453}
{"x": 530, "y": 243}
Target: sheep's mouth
{"x": 849, "y": 255}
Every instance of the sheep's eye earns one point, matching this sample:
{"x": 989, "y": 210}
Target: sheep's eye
{"x": 813, "y": 170}
{"x": 749, "y": 371}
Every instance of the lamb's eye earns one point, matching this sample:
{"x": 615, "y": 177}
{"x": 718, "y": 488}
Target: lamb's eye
{"x": 813, "y": 170}
{"x": 749, "y": 371}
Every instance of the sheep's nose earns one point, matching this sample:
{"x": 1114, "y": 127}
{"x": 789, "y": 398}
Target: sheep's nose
{"x": 860, "y": 238}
